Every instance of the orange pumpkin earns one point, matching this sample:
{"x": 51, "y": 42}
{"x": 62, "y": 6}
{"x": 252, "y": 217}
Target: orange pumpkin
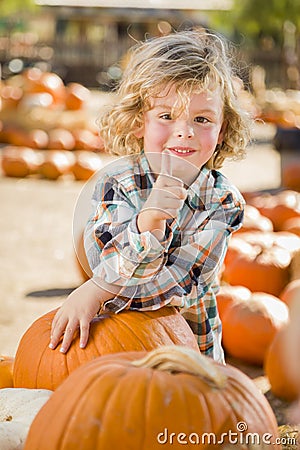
{"x": 19, "y": 161}
{"x": 77, "y": 96}
{"x": 276, "y": 368}
{"x": 37, "y": 366}
{"x": 135, "y": 400}
{"x": 48, "y": 82}
{"x": 86, "y": 165}
{"x": 6, "y": 371}
{"x": 227, "y": 295}
{"x": 87, "y": 140}
{"x": 290, "y": 176}
{"x": 56, "y": 163}
{"x": 61, "y": 139}
{"x": 249, "y": 326}
{"x": 277, "y": 207}
{"x": 291, "y": 292}
{"x": 35, "y": 139}
{"x": 10, "y": 96}
{"x": 254, "y": 220}
{"x": 292, "y": 225}
{"x": 257, "y": 261}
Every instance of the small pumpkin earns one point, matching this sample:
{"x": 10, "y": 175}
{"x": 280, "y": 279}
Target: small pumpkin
{"x": 77, "y": 96}
{"x": 249, "y": 326}
{"x": 6, "y": 371}
{"x": 19, "y": 161}
{"x": 138, "y": 400}
{"x": 37, "y": 366}
{"x": 61, "y": 139}
{"x": 86, "y": 165}
{"x": 49, "y": 82}
{"x": 87, "y": 140}
{"x": 277, "y": 370}
{"x": 18, "y": 407}
{"x": 56, "y": 163}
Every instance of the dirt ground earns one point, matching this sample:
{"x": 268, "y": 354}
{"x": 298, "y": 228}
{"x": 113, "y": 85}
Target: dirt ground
{"x": 37, "y": 260}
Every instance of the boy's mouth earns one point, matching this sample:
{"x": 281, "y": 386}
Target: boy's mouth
{"x": 182, "y": 151}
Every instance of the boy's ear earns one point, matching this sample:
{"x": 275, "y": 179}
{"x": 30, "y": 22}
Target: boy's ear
{"x": 222, "y": 133}
{"x": 139, "y": 132}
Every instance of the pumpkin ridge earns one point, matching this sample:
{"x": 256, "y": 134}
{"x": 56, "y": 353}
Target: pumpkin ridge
{"x": 132, "y": 328}
{"x": 109, "y": 333}
{"x": 90, "y": 387}
{"x": 132, "y": 334}
{"x": 246, "y": 391}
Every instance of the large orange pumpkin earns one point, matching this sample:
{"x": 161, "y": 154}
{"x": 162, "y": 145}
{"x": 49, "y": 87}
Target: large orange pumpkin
{"x": 228, "y": 294}
{"x": 253, "y": 260}
{"x": 37, "y": 366}
{"x": 249, "y": 326}
{"x": 277, "y": 370}
{"x": 134, "y": 401}
{"x": 6, "y": 371}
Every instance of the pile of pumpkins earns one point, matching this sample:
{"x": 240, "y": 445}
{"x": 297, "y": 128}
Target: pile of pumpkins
{"x": 48, "y": 129}
{"x": 259, "y": 282}
{"x": 141, "y": 382}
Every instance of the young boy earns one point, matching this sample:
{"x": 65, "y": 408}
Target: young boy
{"x": 163, "y": 213}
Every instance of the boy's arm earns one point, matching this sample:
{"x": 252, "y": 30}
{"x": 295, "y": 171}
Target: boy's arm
{"x": 77, "y": 311}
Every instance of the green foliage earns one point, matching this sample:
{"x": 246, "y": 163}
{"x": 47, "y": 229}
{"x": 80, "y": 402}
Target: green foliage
{"x": 252, "y": 19}
{"x": 15, "y": 7}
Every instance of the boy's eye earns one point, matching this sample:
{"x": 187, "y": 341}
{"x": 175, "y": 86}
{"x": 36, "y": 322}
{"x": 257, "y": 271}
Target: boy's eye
{"x": 165, "y": 116}
{"x": 201, "y": 119}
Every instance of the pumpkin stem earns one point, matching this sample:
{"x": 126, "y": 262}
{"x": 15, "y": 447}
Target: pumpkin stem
{"x": 175, "y": 358}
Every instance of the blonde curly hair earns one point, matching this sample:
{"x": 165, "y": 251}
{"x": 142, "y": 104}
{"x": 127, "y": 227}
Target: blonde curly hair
{"x": 193, "y": 61}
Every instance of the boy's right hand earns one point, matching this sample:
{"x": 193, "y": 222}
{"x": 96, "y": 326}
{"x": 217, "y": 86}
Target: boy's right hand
{"x": 166, "y": 198}
{"x": 76, "y": 312}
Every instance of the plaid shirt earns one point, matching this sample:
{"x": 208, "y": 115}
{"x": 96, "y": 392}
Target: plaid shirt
{"x": 182, "y": 269}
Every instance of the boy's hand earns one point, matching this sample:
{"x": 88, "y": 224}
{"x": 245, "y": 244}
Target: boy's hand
{"x": 165, "y": 200}
{"x": 76, "y": 312}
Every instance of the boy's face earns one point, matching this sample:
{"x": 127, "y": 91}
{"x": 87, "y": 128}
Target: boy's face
{"x": 191, "y": 134}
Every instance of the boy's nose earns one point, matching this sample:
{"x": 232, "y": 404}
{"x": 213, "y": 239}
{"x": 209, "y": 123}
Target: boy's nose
{"x": 185, "y": 131}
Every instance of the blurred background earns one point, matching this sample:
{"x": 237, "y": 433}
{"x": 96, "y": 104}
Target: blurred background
{"x": 61, "y": 59}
